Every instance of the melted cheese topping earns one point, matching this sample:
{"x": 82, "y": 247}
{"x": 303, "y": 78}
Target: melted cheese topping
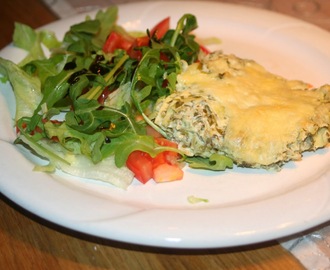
{"x": 270, "y": 119}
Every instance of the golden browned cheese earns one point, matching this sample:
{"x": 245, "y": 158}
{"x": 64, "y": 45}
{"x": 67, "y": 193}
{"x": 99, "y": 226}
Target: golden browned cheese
{"x": 230, "y": 105}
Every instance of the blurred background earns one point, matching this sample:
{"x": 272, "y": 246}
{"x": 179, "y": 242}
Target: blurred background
{"x": 314, "y": 11}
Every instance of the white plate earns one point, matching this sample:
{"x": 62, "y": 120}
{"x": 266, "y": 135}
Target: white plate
{"x": 245, "y": 206}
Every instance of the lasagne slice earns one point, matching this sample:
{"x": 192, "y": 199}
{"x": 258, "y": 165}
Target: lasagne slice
{"x": 234, "y": 106}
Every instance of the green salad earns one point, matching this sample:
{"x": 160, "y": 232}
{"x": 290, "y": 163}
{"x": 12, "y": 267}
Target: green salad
{"x": 84, "y": 106}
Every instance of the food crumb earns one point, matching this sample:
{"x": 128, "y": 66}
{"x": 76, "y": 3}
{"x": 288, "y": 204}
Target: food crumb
{"x": 193, "y": 199}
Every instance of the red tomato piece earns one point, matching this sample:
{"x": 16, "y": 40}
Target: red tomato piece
{"x": 204, "y": 49}
{"x": 166, "y": 172}
{"x": 160, "y": 29}
{"x": 166, "y": 142}
{"x": 159, "y": 160}
{"x": 117, "y": 41}
{"x": 165, "y": 165}
{"x": 170, "y": 156}
{"x": 141, "y": 41}
{"x": 129, "y": 43}
{"x": 163, "y": 168}
{"x": 140, "y": 163}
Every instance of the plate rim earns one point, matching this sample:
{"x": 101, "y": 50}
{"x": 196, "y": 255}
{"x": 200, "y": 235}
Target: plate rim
{"x": 173, "y": 240}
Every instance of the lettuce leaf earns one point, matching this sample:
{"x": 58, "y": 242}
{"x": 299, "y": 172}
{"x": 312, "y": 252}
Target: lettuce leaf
{"x": 31, "y": 40}
{"x": 27, "y": 89}
{"x": 215, "y": 162}
{"x": 78, "y": 165}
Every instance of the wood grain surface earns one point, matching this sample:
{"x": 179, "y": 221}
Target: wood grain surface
{"x": 29, "y": 242}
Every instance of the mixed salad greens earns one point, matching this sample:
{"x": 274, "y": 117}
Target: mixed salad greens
{"x": 85, "y": 107}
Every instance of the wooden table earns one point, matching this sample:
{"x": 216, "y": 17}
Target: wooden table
{"x": 28, "y": 242}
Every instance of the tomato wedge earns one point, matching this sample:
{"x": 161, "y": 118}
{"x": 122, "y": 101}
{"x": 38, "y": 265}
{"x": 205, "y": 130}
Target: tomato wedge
{"x": 128, "y": 43}
{"x": 117, "y": 41}
{"x": 160, "y": 29}
{"x": 131, "y": 45}
{"x": 169, "y": 157}
{"x": 162, "y": 168}
{"x": 166, "y": 172}
{"x": 140, "y": 163}
{"x": 141, "y": 41}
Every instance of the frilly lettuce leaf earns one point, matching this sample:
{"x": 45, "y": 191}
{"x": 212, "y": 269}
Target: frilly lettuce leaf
{"x": 26, "y": 88}
{"x": 78, "y": 165}
{"x": 31, "y": 41}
